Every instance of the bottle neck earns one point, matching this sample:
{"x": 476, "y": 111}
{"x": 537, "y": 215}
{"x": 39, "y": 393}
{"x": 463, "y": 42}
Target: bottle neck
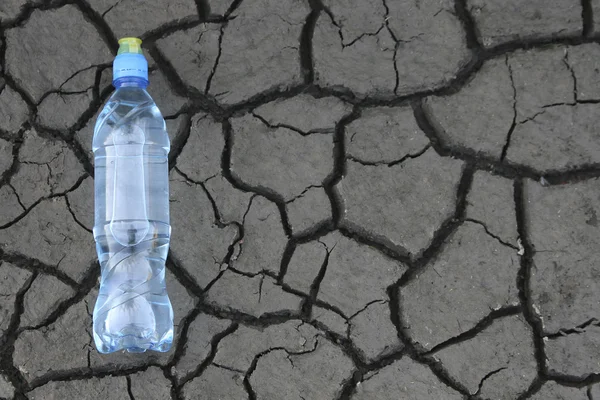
{"x": 130, "y": 81}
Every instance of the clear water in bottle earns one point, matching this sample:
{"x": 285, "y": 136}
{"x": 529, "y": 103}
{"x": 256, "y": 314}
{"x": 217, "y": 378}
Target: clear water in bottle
{"x": 131, "y": 229}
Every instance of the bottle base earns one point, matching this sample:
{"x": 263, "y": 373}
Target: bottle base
{"x": 106, "y": 344}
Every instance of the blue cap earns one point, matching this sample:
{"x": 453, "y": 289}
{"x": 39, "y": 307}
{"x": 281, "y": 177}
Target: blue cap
{"x": 130, "y": 61}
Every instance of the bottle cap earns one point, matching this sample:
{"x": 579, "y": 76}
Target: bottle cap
{"x": 130, "y": 45}
{"x": 130, "y": 61}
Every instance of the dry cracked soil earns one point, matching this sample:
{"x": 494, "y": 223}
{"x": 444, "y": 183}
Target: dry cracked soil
{"x": 370, "y": 200}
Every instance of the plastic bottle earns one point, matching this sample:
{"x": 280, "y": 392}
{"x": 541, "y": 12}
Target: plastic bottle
{"x": 131, "y": 228}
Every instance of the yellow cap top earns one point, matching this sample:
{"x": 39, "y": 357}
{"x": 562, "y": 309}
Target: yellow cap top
{"x": 130, "y": 45}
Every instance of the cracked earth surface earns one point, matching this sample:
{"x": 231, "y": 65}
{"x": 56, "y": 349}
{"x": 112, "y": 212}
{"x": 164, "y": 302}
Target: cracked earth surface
{"x": 370, "y": 199}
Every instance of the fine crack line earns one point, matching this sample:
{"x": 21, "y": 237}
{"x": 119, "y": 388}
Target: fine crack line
{"x": 579, "y": 329}
{"x": 483, "y": 324}
{"x": 275, "y": 126}
{"x": 386, "y": 21}
{"x": 216, "y": 64}
{"x": 260, "y": 283}
{"x": 339, "y": 27}
{"x": 487, "y": 376}
{"x": 390, "y": 163}
{"x": 497, "y": 238}
{"x": 253, "y": 365}
{"x": 89, "y": 331}
{"x": 573, "y": 75}
{"x": 544, "y": 109}
{"x": 109, "y": 9}
{"x": 129, "y": 392}
{"x": 395, "y": 64}
{"x": 306, "y": 189}
{"x": 17, "y": 196}
{"x": 74, "y": 216}
{"x": 83, "y": 373}
{"x": 225, "y": 367}
{"x": 316, "y": 284}
{"x": 62, "y": 94}
{"x": 75, "y": 74}
{"x": 514, "y": 121}
{"x": 369, "y": 304}
{"x": 330, "y": 307}
{"x": 364, "y": 34}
